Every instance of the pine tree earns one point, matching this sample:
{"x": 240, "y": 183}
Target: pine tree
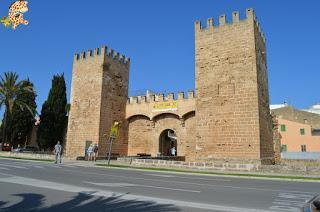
{"x": 53, "y": 114}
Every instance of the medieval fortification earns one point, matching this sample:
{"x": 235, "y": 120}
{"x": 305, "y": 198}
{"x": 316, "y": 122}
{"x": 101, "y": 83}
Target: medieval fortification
{"x": 227, "y": 117}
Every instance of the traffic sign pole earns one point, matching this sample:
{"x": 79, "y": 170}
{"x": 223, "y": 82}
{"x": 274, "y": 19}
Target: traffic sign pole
{"x": 113, "y": 134}
{"x": 110, "y": 149}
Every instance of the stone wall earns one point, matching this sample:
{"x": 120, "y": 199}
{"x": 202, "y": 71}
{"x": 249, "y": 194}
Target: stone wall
{"x": 229, "y": 118}
{"x": 276, "y": 140}
{"x": 114, "y": 97}
{"x": 140, "y": 133}
{"x": 98, "y": 97}
{"x": 196, "y": 165}
{"x": 231, "y": 100}
{"x": 288, "y": 167}
{"x": 146, "y": 123}
{"x": 144, "y": 134}
{"x": 265, "y": 118}
{"x": 144, "y": 105}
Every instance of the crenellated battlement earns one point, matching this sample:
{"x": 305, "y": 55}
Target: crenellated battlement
{"x": 103, "y": 51}
{"x": 250, "y": 15}
{"x": 160, "y": 97}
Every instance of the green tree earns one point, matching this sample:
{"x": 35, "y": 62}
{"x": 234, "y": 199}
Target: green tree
{"x": 53, "y": 114}
{"x": 22, "y": 122}
{"x": 10, "y": 89}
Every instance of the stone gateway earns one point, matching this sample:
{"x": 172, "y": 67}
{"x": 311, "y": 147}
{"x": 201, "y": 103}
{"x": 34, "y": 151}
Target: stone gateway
{"x": 227, "y": 119}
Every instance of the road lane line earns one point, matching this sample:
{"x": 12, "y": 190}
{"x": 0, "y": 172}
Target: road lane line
{"x": 160, "y": 175}
{"x": 10, "y": 175}
{"x": 166, "y": 188}
{"x": 109, "y": 194}
{"x": 190, "y": 183}
{"x": 39, "y": 167}
{"x": 13, "y": 166}
{"x": 139, "y": 185}
{"x": 3, "y": 168}
{"x": 25, "y": 165}
{"x": 113, "y": 185}
{"x": 30, "y": 165}
{"x": 191, "y": 178}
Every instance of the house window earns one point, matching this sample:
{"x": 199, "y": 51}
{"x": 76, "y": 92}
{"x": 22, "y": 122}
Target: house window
{"x": 303, "y": 148}
{"x": 284, "y": 148}
{"x": 283, "y": 128}
{"x": 302, "y": 131}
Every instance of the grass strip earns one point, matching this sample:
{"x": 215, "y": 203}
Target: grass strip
{"x": 33, "y": 159}
{"x": 214, "y": 173}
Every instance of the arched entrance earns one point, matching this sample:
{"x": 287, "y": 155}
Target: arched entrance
{"x": 167, "y": 141}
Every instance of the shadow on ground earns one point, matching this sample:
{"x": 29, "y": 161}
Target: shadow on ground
{"x": 85, "y": 202}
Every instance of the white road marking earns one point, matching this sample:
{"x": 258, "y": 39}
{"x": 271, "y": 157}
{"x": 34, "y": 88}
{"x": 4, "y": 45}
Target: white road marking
{"x": 139, "y": 185}
{"x": 192, "y": 178}
{"x": 96, "y": 192}
{"x": 3, "y": 168}
{"x": 114, "y": 185}
{"x": 35, "y": 164}
{"x": 190, "y": 183}
{"x": 10, "y": 175}
{"x": 160, "y": 175}
{"x": 13, "y": 166}
{"x": 292, "y": 202}
{"x": 28, "y": 165}
{"x": 166, "y": 188}
{"x": 39, "y": 167}
{"x": 54, "y": 166}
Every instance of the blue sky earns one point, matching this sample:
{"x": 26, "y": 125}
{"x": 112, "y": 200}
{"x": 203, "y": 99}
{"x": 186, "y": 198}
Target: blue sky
{"x": 158, "y": 35}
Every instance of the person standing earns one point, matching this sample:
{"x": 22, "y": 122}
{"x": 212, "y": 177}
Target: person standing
{"x": 57, "y": 151}
{"x": 95, "y": 152}
{"x": 173, "y": 151}
{"x": 90, "y": 152}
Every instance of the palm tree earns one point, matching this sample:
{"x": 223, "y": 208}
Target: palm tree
{"x": 10, "y": 88}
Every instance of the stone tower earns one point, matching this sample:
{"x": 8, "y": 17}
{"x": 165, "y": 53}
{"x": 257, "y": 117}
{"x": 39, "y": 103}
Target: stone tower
{"x": 99, "y": 94}
{"x": 232, "y": 108}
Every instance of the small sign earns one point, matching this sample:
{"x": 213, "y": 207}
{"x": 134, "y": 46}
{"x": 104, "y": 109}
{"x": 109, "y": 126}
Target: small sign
{"x": 114, "y": 129}
{"x": 165, "y": 106}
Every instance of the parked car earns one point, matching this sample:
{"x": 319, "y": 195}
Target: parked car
{"x": 6, "y": 147}
{"x": 27, "y": 149}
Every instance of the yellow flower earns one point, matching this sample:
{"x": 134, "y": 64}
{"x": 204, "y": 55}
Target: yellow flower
{"x": 6, "y": 22}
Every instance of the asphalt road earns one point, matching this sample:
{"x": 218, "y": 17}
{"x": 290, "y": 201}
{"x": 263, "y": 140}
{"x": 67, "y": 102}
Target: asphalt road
{"x": 42, "y": 186}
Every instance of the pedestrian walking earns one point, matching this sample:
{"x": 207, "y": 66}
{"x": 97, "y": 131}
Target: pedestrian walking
{"x": 57, "y": 151}
{"x": 90, "y": 152}
{"x": 95, "y": 152}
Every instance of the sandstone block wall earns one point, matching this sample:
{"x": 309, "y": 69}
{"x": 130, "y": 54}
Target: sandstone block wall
{"x": 232, "y": 93}
{"x": 99, "y": 92}
{"x": 146, "y": 124}
{"x": 229, "y": 118}
{"x": 265, "y": 118}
